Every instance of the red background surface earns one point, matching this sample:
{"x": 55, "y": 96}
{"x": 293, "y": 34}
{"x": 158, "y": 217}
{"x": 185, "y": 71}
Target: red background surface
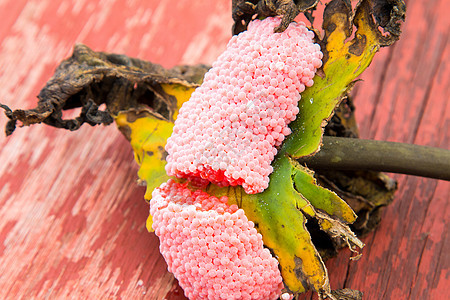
{"x": 72, "y": 219}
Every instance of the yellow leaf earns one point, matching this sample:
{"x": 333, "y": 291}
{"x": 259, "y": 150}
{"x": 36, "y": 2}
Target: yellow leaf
{"x": 148, "y": 136}
{"x": 149, "y": 223}
{"x": 181, "y": 92}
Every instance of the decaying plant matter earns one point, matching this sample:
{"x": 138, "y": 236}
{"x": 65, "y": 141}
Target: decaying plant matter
{"x": 244, "y": 11}
{"x": 88, "y": 79}
{"x": 301, "y": 222}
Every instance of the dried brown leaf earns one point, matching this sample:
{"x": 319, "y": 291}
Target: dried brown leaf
{"x": 88, "y": 79}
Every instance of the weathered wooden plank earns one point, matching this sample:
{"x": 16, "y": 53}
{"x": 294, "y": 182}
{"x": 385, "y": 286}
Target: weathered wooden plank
{"x": 405, "y": 98}
{"x": 73, "y": 218}
{"x": 71, "y": 215}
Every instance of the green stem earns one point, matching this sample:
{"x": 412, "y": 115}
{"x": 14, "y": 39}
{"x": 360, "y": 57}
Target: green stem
{"x": 358, "y": 154}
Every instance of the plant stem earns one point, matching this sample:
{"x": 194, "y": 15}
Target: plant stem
{"x": 358, "y": 154}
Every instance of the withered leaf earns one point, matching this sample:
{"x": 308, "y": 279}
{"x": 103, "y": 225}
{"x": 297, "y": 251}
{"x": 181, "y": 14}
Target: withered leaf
{"x": 88, "y": 79}
{"x": 384, "y": 15}
{"x": 244, "y": 11}
{"x": 381, "y": 18}
{"x": 134, "y": 94}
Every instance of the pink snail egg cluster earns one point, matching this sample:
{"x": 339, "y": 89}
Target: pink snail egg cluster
{"x": 228, "y": 130}
{"x": 212, "y": 249}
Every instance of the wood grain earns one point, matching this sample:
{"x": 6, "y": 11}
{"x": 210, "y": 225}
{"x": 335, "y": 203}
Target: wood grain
{"x": 72, "y": 218}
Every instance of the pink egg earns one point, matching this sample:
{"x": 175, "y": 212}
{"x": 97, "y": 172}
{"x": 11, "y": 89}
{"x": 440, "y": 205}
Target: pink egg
{"x": 224, "y": 263}
{"x": 256, "y": 81}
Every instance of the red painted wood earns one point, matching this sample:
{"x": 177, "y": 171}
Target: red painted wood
{"x": 71, "y": 215}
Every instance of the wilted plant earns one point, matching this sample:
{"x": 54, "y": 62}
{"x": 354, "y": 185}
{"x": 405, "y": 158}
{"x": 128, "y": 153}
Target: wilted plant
{"x": 238, "y": 144}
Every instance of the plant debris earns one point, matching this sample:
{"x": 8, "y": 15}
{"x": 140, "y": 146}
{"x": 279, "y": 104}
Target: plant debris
{"x": 244, "y": 11}
{"x": 384, "y": 15}
{"x": 144, "y": 98}
{"x": 367, "y": 192}
{"x": 88, "y": 79}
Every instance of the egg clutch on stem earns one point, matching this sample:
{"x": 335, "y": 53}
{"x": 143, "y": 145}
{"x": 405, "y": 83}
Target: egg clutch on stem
{"x": 228, "y": 130}
{"x": 227, "y": 134}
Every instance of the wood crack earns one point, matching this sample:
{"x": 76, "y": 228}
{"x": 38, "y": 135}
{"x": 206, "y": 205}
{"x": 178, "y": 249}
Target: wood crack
{"x": 381, "y": 82}
{"x": 430, "y": 84}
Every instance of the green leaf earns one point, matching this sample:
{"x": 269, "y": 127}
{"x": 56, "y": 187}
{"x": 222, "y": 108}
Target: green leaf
{"x": 344, "y": 60}
{"x": 332, "y": 212}
{"x": 277, "y": 217}
{"x": 319, "y": 197}
{"x": 280, "y": 214}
